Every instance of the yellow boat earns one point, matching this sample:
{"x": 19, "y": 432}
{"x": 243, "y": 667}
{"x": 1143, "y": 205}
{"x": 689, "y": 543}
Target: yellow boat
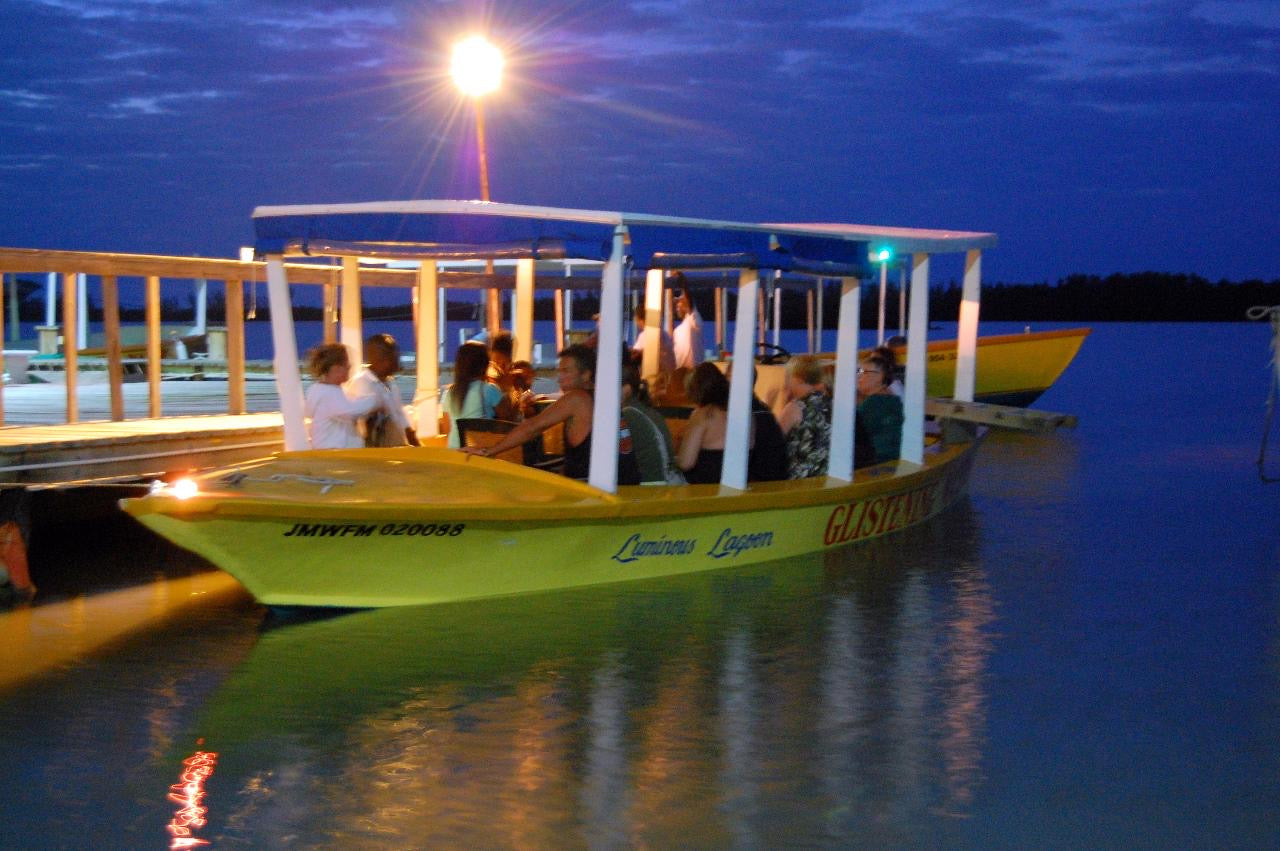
{"x": 1012, "y": 369}
{"x": 367, "y": 528}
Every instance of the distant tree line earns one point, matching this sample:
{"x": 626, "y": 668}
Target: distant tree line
{"x": 1130, "y": 297}
{"x": 1135, "y": 297}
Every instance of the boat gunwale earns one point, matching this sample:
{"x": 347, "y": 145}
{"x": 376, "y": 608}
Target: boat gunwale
{"x": 631, "y": 501}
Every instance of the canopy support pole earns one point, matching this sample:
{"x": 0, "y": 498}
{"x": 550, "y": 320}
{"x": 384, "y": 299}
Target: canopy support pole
{"x": 719, "y": 321}
{"x": 913, "y": 393}
{"x": 737, "y": 437}
{"x": 202, "y": 306}
{"x": 967, "y": 333}
{"x": 777, "y": 315}
{"x": 51, "y": 299}
{"x": 884, "y": 292}
{"x": 352, "y": 321}
{"x": 426, "y": 396}
{"x": 608, "y": 378}
{"x": 70, "y": 352}
{"x": 442, "y": 326}
{"x": 844, "y": 401}
{"x": 285, "y": 345}
{"x": 822, "y": 287}
{"x": 82, "y": 310}
{"x": 522, "y": 318}
{"x": 808, "y": 321}
{"x": 558, "y": 301}
{"x": 330, "y": 313}
{"x": 902, "y": 299}
{"x": 652, "y": 319}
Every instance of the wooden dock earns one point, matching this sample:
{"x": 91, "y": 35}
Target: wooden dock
{"x": 40, "y": 449}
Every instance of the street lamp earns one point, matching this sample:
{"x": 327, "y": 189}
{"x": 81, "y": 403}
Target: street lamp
{"x": 476, "y": 68}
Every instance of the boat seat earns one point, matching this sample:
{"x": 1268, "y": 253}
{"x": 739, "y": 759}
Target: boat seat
{"x": 477, "y": 431}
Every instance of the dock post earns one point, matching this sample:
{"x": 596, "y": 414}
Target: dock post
{"x": 111, "y": 331}
{"x": 70, "y": 355}
{"x": 153, "y": 345}
{"x": 234, "y": 317}
{"x": 47, "y": 339}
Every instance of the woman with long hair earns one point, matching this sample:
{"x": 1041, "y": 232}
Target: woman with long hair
{"x": 701, "y": 454}
{"x": 470, "y": 396}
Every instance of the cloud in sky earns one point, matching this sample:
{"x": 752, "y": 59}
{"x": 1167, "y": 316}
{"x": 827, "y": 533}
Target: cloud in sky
{"x": 1093, "y": 136}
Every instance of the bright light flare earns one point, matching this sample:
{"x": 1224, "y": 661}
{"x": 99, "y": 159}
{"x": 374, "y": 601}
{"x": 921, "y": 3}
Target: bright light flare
{"x": 476, "y": 66}
{"x": 884, "y": 255}
{"x": 185, "y": 488}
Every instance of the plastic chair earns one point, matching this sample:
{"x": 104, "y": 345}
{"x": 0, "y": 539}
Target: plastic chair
{"x": 488, "y": 432}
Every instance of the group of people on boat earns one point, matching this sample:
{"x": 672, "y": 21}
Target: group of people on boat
{"x": 349, "y": 413}
{"x": 794, "y": 445}
{"x": 489, "y": 385}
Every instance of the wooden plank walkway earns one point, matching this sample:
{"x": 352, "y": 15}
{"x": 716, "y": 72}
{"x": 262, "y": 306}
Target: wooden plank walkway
{"x": 38, "y": 449}
{"x": 46, "y": 404}
{"x": 104, "y": 451}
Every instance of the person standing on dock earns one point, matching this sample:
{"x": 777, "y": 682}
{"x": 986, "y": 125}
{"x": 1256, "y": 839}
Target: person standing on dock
{"x": 687, "y": 337}
{"x": 387, "y": 425}
{"x": 332, "y": 413}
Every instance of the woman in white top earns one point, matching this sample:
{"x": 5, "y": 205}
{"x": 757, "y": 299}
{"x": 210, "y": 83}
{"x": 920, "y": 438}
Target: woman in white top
{"x": 470, "y": 396}
{"x": 332, "y": 414}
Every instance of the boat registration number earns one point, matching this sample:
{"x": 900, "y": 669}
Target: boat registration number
{"x": 366, "y": 530}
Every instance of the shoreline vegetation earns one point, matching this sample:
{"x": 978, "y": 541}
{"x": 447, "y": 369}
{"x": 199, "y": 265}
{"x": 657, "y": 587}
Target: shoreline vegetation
{"x": 1121, "y": 297}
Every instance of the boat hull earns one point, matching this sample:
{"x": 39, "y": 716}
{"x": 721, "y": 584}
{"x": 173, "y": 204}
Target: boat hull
{"x": 1012, "y": 369}
{"x": 390, "y": 552}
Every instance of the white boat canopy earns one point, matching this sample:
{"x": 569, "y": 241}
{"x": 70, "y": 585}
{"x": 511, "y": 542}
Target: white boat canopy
{"x": 443, "y": 231}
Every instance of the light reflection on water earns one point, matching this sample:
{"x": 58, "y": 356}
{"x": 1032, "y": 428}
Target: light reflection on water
{"x": 802, "y": 701}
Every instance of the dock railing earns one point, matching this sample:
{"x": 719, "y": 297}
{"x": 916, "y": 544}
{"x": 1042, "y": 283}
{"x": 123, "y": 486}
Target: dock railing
{"x": 153, "y": 269}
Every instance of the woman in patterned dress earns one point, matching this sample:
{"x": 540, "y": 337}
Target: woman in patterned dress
{"x": 806, "y": 419}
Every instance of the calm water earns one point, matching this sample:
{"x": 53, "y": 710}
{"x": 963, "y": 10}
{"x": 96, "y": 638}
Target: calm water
{"x": 1085, "y": 654}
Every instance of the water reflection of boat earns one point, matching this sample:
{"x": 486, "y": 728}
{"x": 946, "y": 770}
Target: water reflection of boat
{"x": 410, "y": 526}
{"x": 810, "y": 700}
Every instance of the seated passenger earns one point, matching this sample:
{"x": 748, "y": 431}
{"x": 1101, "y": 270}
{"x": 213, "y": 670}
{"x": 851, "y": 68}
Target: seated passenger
{"x": 332, "y": 413}
{"x": 575, "y": 373}
{"x": 522, "y": 394}
{"x": 806, "y": 419}
{"x": 470, "y": 396}
{"x": 879, "y": 410}
{"x": 501, "y": 349}
{"x": 767, "y": 461}
{"x": 655, "y": 450}
{"x": 701, "y": 454}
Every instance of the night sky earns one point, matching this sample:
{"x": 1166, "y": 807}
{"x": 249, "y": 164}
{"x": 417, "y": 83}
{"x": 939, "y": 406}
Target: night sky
{"x": 1093, "y": 136}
